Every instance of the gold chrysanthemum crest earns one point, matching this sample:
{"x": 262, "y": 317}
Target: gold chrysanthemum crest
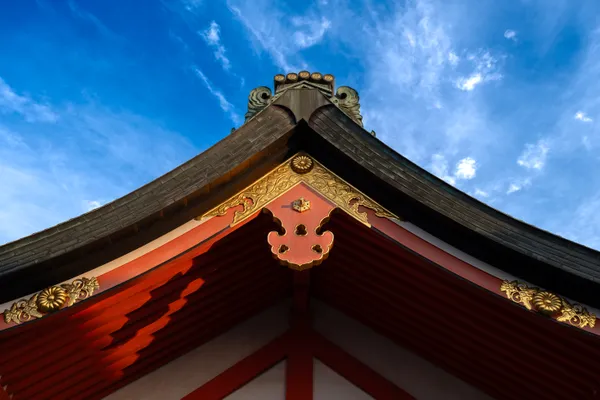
{"x": 50, "y": 300}
{"x": 548, "y": 303}
{"x": 302, "y": 164}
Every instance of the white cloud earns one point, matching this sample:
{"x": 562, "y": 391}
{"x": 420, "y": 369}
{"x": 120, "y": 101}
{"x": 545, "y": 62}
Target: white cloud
{"x": 513, "y": 187}
{"x": 466, "y": 168}
{"x": 90, "y": 205}
{"x": 225, "y": 105}
{"x": 469, "y": 83}
{"x": 581, "y": 116}
{"x": 32, "y": 111}
{"x": 485, "y": 70}
{"x": 91, "y": 153}
{"x": 453, "y": 59}
{"x": 481, "y": 193}
{"x": 192, "y": 5}
{"x": 582, "y": 224}
{"x": 518, "y": 184}
{"x": 510, "y": 35}
{"x": 92, "y": 19}
{"x": 278, "y": 32}
{"x": 310, "y": 32}
{"x": 534, "y": 156}
{"x": 439, "y": 167}
{"x": 212, "y": 36}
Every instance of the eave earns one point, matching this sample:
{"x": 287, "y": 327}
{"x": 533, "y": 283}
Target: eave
{"x": 299, "y": 120}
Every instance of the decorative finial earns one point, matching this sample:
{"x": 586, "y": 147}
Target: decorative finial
{"x": 345, "y": 98}
{"x": 348, "y": 101}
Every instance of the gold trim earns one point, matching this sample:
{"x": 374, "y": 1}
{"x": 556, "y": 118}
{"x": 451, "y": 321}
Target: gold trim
{"x": 283, "y": 178}
{"x": 50, "y": 300}
{"x": 301, "y": 205}
{"x": 302, "y": 164}
{"x": 548, "y": 303}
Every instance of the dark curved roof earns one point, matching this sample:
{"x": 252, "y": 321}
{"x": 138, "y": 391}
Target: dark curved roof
{"x": 18, "y": 260}
{"x": 338, "y": 142}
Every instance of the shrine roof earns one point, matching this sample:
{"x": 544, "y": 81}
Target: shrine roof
{"x": 303, "y": 114}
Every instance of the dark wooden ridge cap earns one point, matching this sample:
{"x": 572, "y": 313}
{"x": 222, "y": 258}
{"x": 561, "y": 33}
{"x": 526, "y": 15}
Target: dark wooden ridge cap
{"x": 442, "y": 210}
{"x": 92, "y": 239}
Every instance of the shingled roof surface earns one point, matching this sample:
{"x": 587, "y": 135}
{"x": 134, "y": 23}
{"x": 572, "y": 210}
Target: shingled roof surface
{"x": 337, "y": 141}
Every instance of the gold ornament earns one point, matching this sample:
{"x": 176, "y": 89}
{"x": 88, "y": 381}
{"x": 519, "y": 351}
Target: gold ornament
{"x": 80, "y": 289}
{"x": 51, "y": 299}
{"x": 519, "y": 293}
{"x": 304, "y": 74}
{"x": 22, "y": 311}
{"x": 280, "y": 78}
{"x": 301, "y": 205}
{"x": 544, "y": 302}
{"x": 292, "y": 77}
{"x": 328, "y": 78}
{"x": 315, "y": 76}
{"x": 302, "y": 164}
{"x": 576, "y": 315}
{"x": 283, "y": 178}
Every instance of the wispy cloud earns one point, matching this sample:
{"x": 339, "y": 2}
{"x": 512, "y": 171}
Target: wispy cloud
{"x": 534, "y": 155}
{"x": 269, "y": 29}
{"x": 31, "y": 110}
{"x": 90, "y": 205}
{"x": 192, "y": 5}
{"x": 481, "y": 193}
{"x": 466, "y": 168}
{"x": 91, "y": 18}
{"x": 453, "y": 58}
{"x": 212, "y": 36}
{"x": 518, "y": 185}
{"x": 581, "y": 116}
{"x": 225, "y": 105}
{"x": 439, "y": 167}
{"x": 485, "y": 70}
{"x": 309, "y": 31}
{"x": 91, "y": 155}
{"x": 510, "y": 35}
{"x": 583, "y": 223}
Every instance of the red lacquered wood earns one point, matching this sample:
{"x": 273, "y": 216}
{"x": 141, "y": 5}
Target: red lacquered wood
{"x": 299, "y": 374}
{"x": 300, "y": 251}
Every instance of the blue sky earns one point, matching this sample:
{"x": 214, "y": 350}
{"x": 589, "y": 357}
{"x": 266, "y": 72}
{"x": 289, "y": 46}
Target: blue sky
{"x": 499, "y": 98}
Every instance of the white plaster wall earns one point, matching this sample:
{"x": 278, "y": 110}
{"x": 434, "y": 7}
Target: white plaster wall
{"x": 268, "y": 386}
{"x": 329, "y": 385}
{"x": 183, "y": 375}
{"x": 415, "y": 375}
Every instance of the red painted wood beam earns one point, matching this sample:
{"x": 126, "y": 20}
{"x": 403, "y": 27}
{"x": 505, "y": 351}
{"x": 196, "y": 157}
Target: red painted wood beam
{"x": 300, "y": 364}
{"x": 242, "y": 372}
{"x": 176, "y": 346}
{"x": 407, "y": 299}
{"x": 389, "y": 258}
{"x": 176, "y": 332}
{"x": 355, "y": 371}
{"x": 4, "y": 394}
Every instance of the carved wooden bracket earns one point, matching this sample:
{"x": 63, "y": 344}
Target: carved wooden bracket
{"x": 302, "y": 245}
